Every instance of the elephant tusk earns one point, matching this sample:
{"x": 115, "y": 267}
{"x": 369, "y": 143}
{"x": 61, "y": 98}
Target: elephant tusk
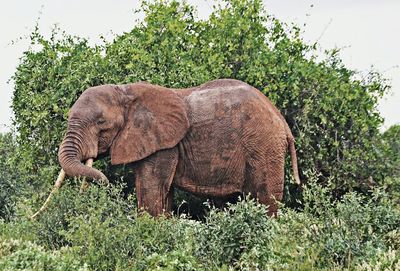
{"x": 85, "y": 184}
{"x": 57, "y": 185}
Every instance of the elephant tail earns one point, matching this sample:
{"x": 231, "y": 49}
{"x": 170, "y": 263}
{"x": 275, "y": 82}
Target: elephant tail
{"x": 293, "y": 156}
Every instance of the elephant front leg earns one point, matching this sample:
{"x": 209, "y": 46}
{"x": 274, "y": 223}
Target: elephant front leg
{"x": 153, "y": 182}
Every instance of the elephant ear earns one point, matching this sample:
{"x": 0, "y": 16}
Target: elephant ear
{"x": 155, "y": 119}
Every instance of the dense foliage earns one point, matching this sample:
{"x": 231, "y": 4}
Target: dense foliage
{"x": 100, "y": 230}
{"x": 391, "y": 150}
{"x": 348, "y": 213}
{"x": 10, "y": 188}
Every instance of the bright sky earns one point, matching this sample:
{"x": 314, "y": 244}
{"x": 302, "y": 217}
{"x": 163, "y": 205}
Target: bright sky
{"x": 368, "y": 30}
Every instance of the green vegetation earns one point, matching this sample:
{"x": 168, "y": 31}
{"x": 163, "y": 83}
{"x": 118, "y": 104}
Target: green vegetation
{"x": 346, "y": 218}
{"x": 100, "y": 230}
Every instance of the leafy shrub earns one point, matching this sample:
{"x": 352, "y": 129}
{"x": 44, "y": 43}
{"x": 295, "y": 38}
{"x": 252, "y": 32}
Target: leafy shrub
{"x": 123, "y": 239}
{"x": 383, "y": 260}
{"x": 67, "y": 205}
{"x": 10, "y": 186}
{"x": 328, "y": 233}
{"x": 105, "y": 232}
{"x": 175, "y": 260}
{"x": 19, "y": 228}
{"x": 353, "y": 227}
{"x": 226, "y": 235}
{"x": 20, "y": 255}
{"x": 390, "y": 152}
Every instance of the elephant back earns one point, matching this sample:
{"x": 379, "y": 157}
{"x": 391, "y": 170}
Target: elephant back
{"x": 216, "y": 100}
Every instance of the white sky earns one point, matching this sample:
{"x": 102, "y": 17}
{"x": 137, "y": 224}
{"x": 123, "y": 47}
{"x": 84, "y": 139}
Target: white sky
{"x": 369, "y": 30}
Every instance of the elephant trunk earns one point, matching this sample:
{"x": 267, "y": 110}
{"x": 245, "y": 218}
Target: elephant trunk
{"x": 71, "y": 154}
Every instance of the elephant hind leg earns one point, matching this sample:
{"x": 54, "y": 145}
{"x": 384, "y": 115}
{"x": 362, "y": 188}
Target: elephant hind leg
{"x": 265, "y": 182}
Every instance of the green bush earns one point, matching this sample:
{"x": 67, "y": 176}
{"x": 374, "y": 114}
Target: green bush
{"x": 68, "y": 205}
{"x": 27, "y": 256}
{"x": 173, "y": 261}
{"x": 10, "y": 186}
{"x": 383, "y": 260}
{"x": 226, "y": 235}
{"x": 104, "y": 231}
{"x": 352, "y": 228}
{"x": 390, "y": 152}
{"x": 111, "y": 235}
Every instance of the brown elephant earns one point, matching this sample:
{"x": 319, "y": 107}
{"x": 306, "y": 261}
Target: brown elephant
{"x": 217, "y": 139}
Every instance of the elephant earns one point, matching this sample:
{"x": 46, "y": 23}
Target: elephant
{"x": 217, "y": 139}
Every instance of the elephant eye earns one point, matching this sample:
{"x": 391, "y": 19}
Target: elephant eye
{"x": 101, "y": 121}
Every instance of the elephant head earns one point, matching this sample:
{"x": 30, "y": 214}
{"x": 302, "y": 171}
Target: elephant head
{"x": 128, "y": 121}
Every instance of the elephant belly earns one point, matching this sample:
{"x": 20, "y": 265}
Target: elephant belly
{"x": 210, "y": 163}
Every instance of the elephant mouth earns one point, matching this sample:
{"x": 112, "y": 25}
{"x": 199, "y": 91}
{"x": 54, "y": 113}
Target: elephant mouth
{"x": 100, "y": 155}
